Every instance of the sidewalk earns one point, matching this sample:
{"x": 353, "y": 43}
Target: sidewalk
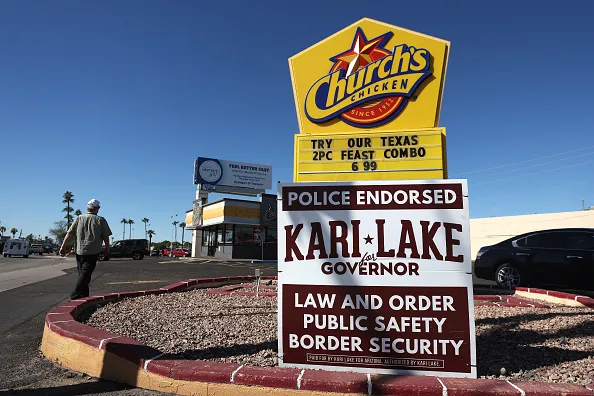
{"x": 13, "y": 279}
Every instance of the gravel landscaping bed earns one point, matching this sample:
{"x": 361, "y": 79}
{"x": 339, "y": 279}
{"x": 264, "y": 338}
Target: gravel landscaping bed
{"x": 522, "y": 343}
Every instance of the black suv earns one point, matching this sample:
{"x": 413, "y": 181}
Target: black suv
{"x": 135, "y": 248}
{"x": 561, "y": 257}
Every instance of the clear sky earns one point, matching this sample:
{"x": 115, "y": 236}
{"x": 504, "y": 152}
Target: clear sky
{"x": 114, "y": 100}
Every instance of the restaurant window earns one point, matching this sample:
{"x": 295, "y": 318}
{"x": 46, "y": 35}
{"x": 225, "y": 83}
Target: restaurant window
{"x": 271, "y": 235}
{"x": 222, "y": 234}
{"x": 228, "y": 239}
{"x": 245, "y": 235}
{"x": 205, "y": 234}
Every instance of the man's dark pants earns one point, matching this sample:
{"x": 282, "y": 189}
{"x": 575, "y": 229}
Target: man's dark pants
{"x": 86, "y": 265}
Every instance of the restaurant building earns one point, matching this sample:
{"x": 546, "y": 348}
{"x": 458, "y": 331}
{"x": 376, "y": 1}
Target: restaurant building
{"x": 233, "y": 228}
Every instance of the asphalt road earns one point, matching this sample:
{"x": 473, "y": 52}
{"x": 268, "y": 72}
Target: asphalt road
{"x": 19, "y": 271}
{"x": 23, "y": 371}
{"x": 9, "y": 264}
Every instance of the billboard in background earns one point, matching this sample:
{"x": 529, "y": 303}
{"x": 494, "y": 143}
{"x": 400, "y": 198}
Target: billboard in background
{"x": 376, "y": 277}
{"x": 216, "y": 173}
{"x": 402, "y": 155}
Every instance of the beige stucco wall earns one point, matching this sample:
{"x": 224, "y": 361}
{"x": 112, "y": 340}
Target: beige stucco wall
{"x": 487, "y": 231}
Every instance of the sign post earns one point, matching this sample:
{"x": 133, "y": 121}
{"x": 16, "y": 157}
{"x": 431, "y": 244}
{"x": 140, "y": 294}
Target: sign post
{"x": 374, "y": 263}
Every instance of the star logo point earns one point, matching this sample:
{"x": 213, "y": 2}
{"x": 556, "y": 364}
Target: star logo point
{"x": 362, "y": 51}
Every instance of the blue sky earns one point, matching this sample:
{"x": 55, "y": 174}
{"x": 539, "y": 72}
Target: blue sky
{"x": 115, "y": 99}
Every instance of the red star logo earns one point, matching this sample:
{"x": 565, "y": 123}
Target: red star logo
{"x": 361, "y": 53}
{"x": 368, "y": 239}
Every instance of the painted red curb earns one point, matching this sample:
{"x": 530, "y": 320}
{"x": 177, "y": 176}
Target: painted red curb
{"x": 545, "y": 389}
{"x": 276, "y": 377}
{"x": 586, "y": 301}
{"x": 334, "y": 381}
{"x": 206, "y": 371}
{"x": 62, "y": 320}
{"x": 418, "y": 386}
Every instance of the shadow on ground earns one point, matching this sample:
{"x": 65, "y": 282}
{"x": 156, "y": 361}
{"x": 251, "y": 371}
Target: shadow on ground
{"x": 87, "y": 388}
{"x": 507, "y": 345}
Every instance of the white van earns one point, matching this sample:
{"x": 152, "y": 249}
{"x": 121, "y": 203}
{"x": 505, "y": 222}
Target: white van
{"x": 16, "y": 247}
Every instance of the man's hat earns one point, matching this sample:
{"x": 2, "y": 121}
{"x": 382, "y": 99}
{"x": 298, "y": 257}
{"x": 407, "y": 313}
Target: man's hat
{"x": 93, "y": 203}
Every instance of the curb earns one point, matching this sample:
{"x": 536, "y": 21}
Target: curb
{"x": 109, "y": 356}
{"x": 574, "y": 300}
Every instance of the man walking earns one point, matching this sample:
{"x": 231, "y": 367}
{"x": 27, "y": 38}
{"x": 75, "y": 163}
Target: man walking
{"x": 91, "y": 230}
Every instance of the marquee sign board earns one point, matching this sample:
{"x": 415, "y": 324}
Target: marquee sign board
{"x": 401, "y": 155}
{"x": 376, "y": 277}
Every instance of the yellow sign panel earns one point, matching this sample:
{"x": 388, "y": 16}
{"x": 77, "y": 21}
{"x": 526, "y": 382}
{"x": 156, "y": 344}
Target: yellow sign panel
{"x": 401, "y": 155}
{"x": 369, "y": 76}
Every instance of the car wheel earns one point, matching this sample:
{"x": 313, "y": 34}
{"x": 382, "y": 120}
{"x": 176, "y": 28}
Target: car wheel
{"x": 508, "y": 276}
{"x": 137, "y": 256}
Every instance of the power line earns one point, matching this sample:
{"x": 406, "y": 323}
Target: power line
{"x": 548, "y": 186}
{"x": 534, "y": 166}
{"x": 534, "y": 173}
{"x": 526, "y": 161}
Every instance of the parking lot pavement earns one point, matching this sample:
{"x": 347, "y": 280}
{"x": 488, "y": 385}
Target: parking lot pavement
{"x": 235, "y": 263}
{"x": 18, "y": 271}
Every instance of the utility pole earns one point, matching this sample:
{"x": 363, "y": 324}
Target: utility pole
{"x": 582, "y": 203}
{"x": 171, "y": 250}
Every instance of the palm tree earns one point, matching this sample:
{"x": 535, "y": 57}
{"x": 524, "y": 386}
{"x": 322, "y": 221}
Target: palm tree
{"x": 174, "y": 224}
{"x": 150, "y": 234}
{"x": 130, "y": 221}
{"x": 78, "y": 212}
{"x": 124, "y": 221}
{"x": 183, "y": 227}
{"x": 68, "y": 199}
{"x": 145, "y": 221}
{"x": 13, "y": 232}
{"x": 2, "y": 230}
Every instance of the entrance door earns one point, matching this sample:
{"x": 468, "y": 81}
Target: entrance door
{"x": 212, "y": 242}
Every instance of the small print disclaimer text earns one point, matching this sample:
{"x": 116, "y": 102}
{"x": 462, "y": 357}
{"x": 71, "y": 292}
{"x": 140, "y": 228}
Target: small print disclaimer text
{"x": 370, "y": 360}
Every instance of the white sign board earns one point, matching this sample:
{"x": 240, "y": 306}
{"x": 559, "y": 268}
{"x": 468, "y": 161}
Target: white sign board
{"x": 216, "y": 172}
{"x": 376, "y": 277}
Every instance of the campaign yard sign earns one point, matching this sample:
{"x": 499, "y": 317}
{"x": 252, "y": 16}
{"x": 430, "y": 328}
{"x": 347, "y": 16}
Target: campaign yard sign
{"x": 376, "y": 277}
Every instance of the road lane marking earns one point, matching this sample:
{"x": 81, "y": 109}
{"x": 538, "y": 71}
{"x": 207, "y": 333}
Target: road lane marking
{"x": 138, "y": 282}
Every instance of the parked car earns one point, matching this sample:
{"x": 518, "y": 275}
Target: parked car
{"x": 561, "y": 257}
{"x": 177, "y": 252}
{"x": 154, "y": 252}
{"x": 16, "y": 247}
{"x": 135, "y": 248}
{"x": 36, "y": 248}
